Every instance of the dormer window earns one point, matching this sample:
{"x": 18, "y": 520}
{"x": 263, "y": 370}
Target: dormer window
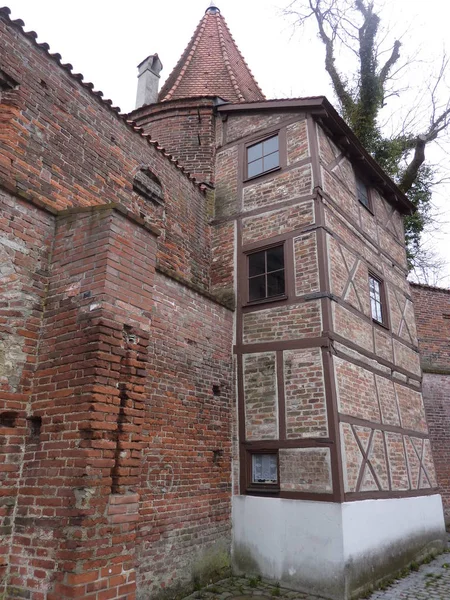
{"x": 147, "y": 185}
{"x": 263, "y": 157}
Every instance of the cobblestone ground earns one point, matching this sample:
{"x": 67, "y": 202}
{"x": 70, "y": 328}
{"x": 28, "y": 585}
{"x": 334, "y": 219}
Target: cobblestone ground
{"x": 429, "y": 582}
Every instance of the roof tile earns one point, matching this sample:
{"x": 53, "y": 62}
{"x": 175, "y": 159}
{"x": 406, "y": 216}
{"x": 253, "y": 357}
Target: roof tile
{"x": 212, "y": 65}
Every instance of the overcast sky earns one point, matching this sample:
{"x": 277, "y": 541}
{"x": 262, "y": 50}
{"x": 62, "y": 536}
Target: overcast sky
{"x": 105, "y": 40}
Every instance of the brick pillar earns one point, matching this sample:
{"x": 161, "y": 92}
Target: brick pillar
{"x": 78, "y": 503}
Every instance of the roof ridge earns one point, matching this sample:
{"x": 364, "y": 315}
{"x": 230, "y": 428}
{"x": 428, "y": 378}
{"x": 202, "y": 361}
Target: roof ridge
{"x": 195, "y": 39}
{"x": 182, "y": 60}
{"x": 242, "y": 57}
{"x": 226, "y": 58}
{"x": 56, "y": 57}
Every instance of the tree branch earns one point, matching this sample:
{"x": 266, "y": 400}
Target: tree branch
{"x": 339, "y": 85}
{"x": 410, "y": 174}
{"x": 390, "y": 62}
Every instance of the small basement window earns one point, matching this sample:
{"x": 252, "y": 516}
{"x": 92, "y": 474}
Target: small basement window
{"x": 266, "y": 274}
{"x": 263, "y": 157}
{"x": 264, "y": 469}
{"x": 147, "y": 185}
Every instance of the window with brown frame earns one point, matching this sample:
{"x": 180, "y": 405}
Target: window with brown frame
{"x": 363, "y": 193}
{"x": 266, "y": 274}
{"x": 378, "y": 307}
{"x": 262, "y": 157}
{"x": 262, "y": 471}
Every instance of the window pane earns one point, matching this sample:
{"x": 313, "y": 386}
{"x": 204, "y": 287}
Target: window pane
{"x": 373, "y": 308}
{"x": 376, "y": 307}
{"x": 257, "y": 263}
{"x": 264, "y": 468}
{"x": 271, "y": 161}
{"x": 379, "y": 316}
{"x": 275, "y": 259}
{"x": 376, "y": 310}
{"x": 376, "y": 288}
{"x": 257, "y": 287}
{"x": 270, "y": 145}
{"x": 255, "y": 168}
{"x": 362, "y": 192}
{"x": 254, "y": 152}
{"x": 275, "y": 283}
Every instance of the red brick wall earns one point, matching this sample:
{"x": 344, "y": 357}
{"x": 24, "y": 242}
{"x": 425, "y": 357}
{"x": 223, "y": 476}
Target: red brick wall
{"x": 432, "y": 308}
{"x": 66, "y": 148}
{"x": 117, "y": 371}
{"x": 185, "y": 128}
{"x": 184, "y": 527}
{"x": 88, "y": 396}
{"x": 25, "y": 242}
{"x": 436, "y": 393}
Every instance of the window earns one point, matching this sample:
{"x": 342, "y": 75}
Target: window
{"x": 377, "y": 304}
{"x": 362, "y": 193}
{"x": 264, "y": 469}
{"x": 263, "y": 157}
{"x": 6, "y": 83}
{"x": 147, "y": 185}
{"x": 266, "y": 274}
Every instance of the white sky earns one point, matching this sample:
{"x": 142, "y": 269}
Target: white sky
{"x": 105, "y": 40}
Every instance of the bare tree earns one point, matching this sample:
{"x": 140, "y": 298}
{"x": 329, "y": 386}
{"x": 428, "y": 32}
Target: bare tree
{"x": 354, "y": 25}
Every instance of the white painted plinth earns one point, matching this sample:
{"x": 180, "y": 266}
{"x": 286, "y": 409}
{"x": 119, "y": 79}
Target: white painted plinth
{"x": 333, "y": 550}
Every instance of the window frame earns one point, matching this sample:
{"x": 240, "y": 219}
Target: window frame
{"x": 363, "y": 180}
{"x": 261, "y": 140}
{"x": 280, "y": 297}
{"x": 382, "y": 300}
{"x": 258, "y": 488}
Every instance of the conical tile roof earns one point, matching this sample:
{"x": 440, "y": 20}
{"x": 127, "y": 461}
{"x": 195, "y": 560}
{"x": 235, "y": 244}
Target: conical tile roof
{"x": 212, "y": 65}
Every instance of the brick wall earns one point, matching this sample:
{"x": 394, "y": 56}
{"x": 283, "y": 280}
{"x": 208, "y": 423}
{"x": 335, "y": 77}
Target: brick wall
{"x": 65, "y": 147}
{"x": 25, "y": 244}
{"x": 185, "y": 481}
{"x": 116, "y": 469}
{"x": 86, "y": 410}
{"x": 185, "y": 128}
{"x": 432, "y": 309}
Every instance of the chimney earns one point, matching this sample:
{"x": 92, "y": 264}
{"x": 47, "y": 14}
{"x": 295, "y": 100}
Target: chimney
{"x": 148, "y": 80}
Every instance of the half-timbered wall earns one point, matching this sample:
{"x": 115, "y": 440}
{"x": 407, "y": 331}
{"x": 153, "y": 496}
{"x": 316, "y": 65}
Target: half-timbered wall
{"x": 385, "y": 446}
{"x": 283, "y": 368}
{"x": 333, "y": 392}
